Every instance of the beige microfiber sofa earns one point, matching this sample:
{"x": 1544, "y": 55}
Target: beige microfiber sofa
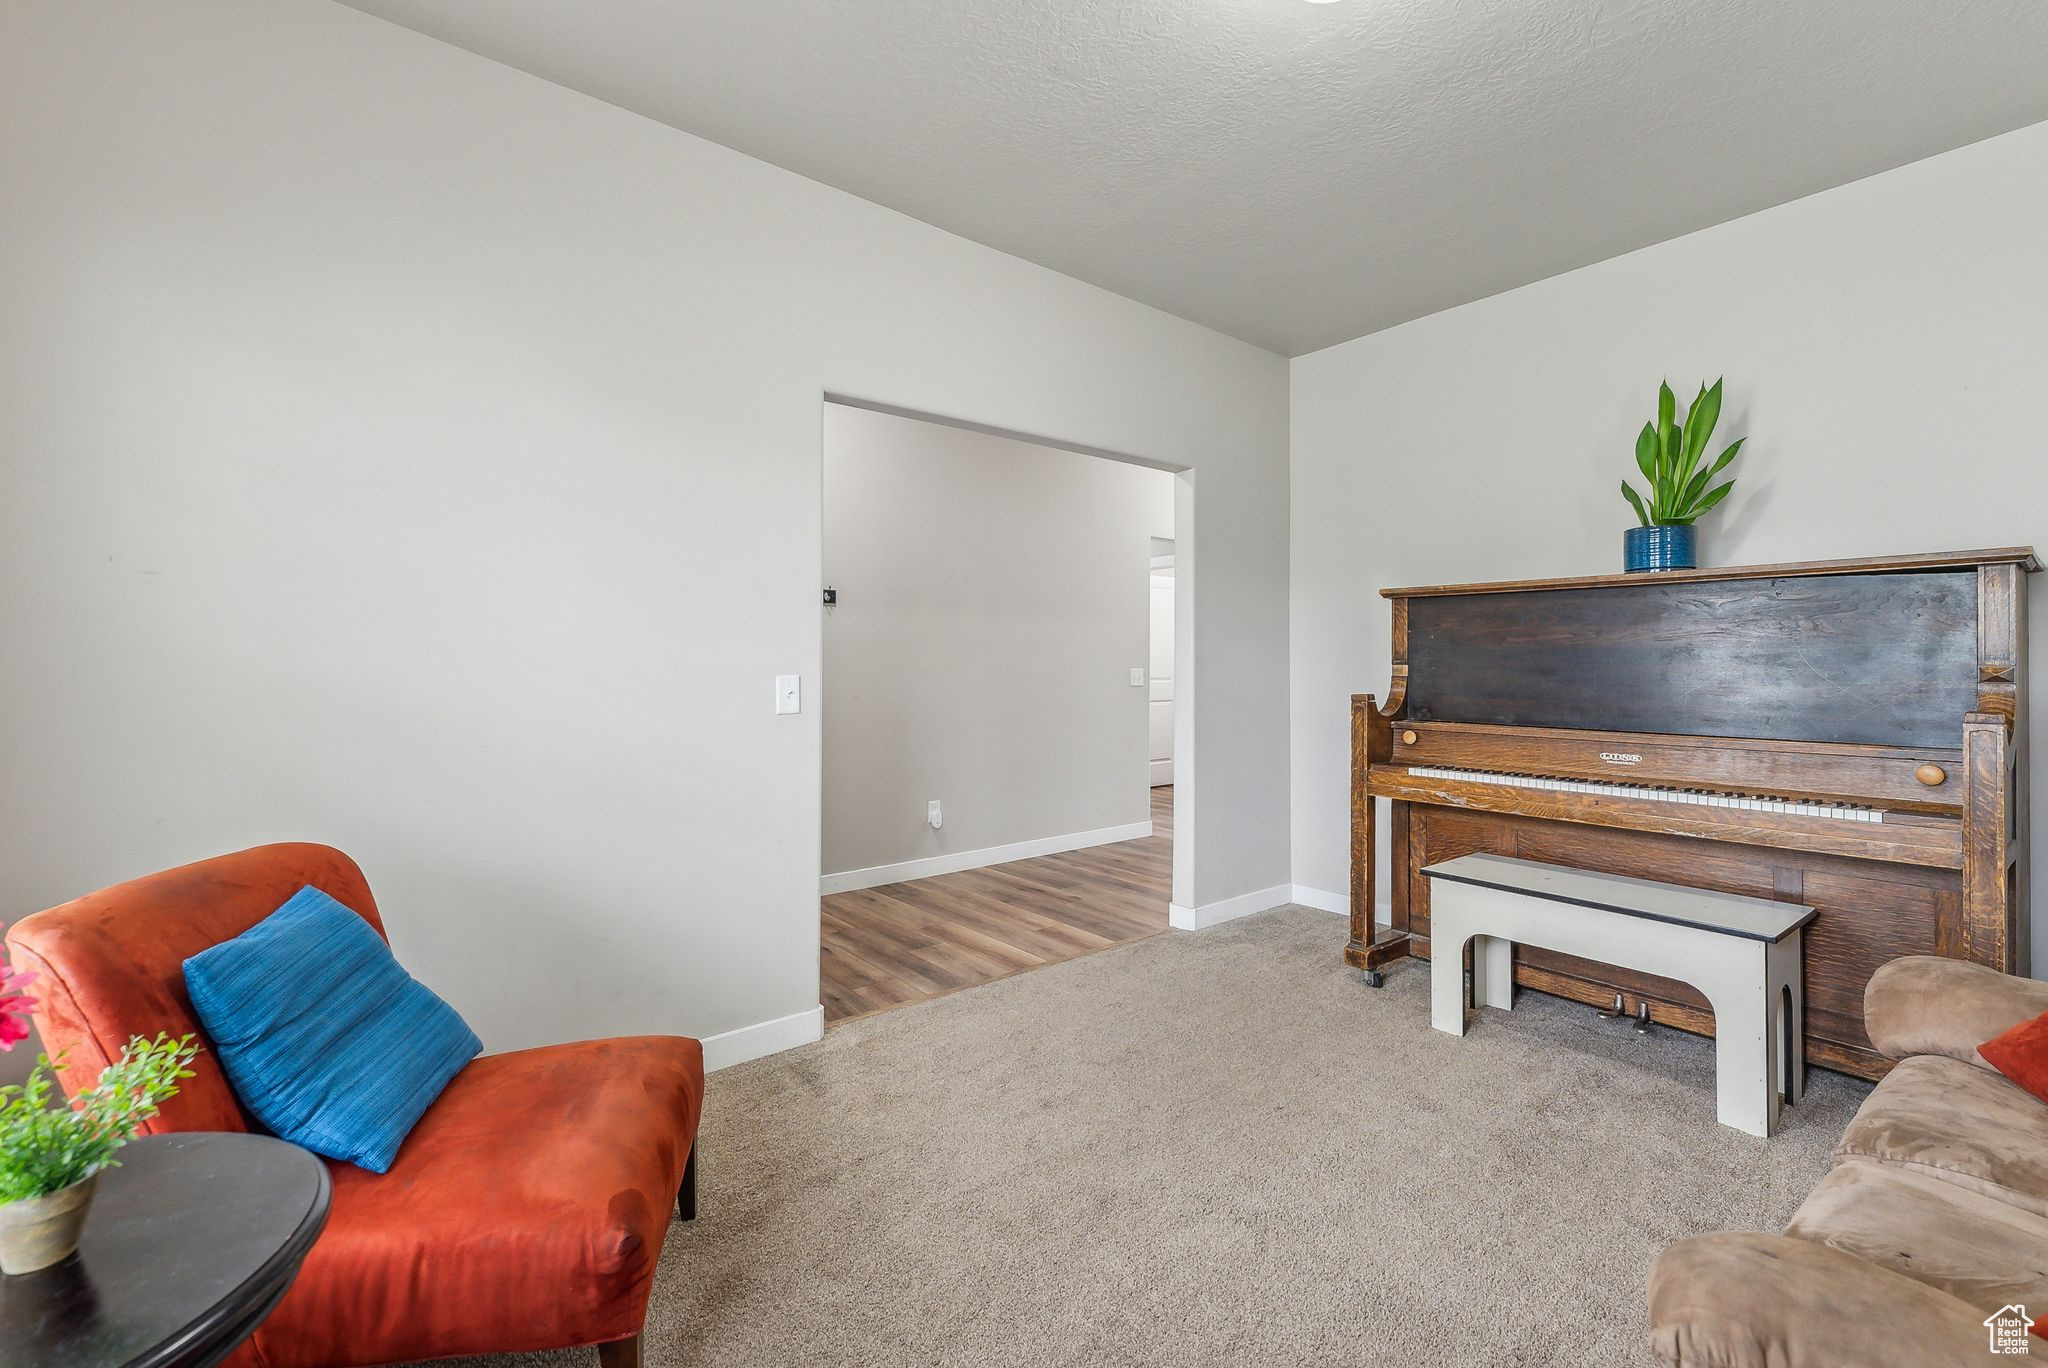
{"x": 1933, "y": 1218}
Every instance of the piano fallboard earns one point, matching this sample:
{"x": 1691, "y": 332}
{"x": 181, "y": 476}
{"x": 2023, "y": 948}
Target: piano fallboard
{"x": 1894, "y": 778}
{"x": 1931, "y": 841}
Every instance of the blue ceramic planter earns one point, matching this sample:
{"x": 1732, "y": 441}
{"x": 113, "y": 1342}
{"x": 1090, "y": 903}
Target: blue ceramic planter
{"x": 1671, "y": 547}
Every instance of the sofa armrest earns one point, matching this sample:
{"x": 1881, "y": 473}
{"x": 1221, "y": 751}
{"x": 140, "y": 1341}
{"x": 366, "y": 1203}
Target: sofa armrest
{"x": 1927, "y": 1004}
{"x": 1771, "y": 1301}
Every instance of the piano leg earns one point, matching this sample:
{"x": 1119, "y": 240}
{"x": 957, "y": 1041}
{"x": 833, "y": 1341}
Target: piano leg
{"x": 1386, "y": 946}
{"x": 1371, "y": 945}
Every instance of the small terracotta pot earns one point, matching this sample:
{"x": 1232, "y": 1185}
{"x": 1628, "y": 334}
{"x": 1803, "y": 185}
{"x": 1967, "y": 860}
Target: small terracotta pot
{"x": 39, "y": 1231}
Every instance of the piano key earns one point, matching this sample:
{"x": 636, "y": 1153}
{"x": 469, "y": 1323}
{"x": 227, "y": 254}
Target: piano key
{"x": 1657, "y": 793}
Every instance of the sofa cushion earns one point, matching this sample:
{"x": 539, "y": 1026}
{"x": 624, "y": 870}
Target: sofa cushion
{"x": 525, "y": 1212}
{"x": 2021, "y": 1054}
{"x": 1986, "y": 1251}
{"x": 1736, "y": 1300}
{"x": 327, "y": 1041}
{"x": 1957, "y": 1122}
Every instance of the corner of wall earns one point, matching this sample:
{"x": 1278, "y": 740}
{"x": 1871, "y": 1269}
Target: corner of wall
{"x": 728, "y": 1048}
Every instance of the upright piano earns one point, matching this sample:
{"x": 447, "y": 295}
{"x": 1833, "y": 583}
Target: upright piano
{"x": 1845, "y": 734}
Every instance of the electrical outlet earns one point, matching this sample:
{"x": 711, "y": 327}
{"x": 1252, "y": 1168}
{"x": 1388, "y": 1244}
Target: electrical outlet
{"x": 933, "y": 815}
{"x": 1137, "y": 676}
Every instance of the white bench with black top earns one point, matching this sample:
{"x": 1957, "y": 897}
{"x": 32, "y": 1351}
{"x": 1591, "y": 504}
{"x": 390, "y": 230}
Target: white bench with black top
{"x": 1743, "y": 954}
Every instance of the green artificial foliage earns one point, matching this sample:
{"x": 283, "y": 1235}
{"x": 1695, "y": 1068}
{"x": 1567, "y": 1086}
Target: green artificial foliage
{"x": 1668, "y": 453}
{"x": 46, "y": 1148}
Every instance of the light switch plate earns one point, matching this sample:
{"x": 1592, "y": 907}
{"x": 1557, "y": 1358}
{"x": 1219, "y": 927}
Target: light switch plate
{"x": 786, "y": 695}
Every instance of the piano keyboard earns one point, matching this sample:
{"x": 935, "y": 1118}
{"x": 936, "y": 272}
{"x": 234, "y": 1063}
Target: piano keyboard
{"x": 1744, "y": 802}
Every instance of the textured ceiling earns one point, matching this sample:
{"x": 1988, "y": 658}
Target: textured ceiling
{"x": 1298, "y": 174}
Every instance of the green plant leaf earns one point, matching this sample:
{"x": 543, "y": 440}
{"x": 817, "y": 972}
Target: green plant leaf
{"x": 1635, "y": 501}
{"x": 1714, "y": 496}
{"x": 1646, "y": 454}
{"x": 46, "y": 1146}
{"x": 1699, "y": 424}
{"x": 1700, "y": 481}
{"x": 1699, "y": 427}
{"x": 1660, "y": 488}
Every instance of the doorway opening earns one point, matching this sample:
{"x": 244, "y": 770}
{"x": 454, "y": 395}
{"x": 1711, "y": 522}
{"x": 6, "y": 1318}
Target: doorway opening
{"x": 998, "y": 695}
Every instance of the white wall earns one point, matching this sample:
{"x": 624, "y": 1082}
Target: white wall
{"x": 993, "y": 601}
{"x": 403, "y": 452}
{"x": 1884, "y": 346}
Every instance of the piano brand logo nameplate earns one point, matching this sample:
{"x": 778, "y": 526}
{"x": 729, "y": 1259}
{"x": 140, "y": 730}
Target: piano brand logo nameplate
{"x": 1621, "y": 757}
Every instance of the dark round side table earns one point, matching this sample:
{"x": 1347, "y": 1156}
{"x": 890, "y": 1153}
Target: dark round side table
{"x": 191, "y": 1242}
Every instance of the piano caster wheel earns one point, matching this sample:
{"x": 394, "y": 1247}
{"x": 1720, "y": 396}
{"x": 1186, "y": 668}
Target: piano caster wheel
{"x": 1375, "y": 979}
{"x": 1643, "y": 1022}
{"x": 1617, "y": 1011}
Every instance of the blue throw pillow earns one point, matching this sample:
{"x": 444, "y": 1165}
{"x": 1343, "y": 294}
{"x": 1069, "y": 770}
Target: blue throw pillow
{"x": 325, "y": 1039}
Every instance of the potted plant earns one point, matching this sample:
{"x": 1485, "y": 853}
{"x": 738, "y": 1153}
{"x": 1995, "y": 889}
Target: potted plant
{"x": 51, "y": 1155}
{"x": 1669, "y": 453}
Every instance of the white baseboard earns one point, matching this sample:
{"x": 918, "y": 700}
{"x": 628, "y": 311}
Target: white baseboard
{"x": 1243, "y": 905}
{"x": 1162, "y": 772}
{"x": 958, "y": 860}
{"x": 1322, "y": 900}
{"x": 728, "y": 1048}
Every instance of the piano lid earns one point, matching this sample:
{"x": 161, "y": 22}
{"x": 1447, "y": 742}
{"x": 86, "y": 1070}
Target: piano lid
{"x": 2022, "y": 556}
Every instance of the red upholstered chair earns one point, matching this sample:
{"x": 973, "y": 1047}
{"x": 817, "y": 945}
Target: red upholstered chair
{"x": 525, "y": 1211}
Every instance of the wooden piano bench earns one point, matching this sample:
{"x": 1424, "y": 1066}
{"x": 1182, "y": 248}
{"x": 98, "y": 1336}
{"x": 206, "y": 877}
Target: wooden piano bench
{"x": 1743, "y": 954}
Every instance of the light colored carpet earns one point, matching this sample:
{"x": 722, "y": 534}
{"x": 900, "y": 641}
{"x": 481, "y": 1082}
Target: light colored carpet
{"x": 1215, "y": 1147}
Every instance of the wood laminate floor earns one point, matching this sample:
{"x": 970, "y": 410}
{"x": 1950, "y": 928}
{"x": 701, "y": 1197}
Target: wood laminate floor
{"x": 902, "y": 943}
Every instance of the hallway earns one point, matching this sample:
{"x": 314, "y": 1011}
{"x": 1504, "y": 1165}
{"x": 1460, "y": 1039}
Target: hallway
{"x": 903, "y": 943}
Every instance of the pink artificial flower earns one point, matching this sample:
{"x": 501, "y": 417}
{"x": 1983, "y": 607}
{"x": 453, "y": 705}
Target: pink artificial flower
{"x": 14, "y": 1005}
